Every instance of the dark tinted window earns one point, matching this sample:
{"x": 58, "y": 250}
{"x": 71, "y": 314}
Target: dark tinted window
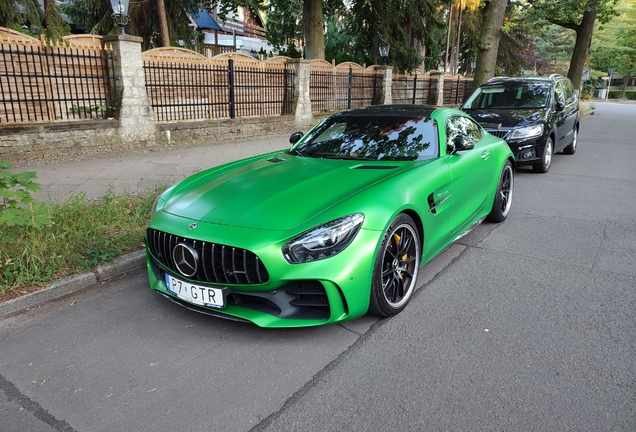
{"x": 568, "y": 88}
{"x": 559, "y": 95}
{"x": 382, "y": 138}
{"x": 509, "y": 96}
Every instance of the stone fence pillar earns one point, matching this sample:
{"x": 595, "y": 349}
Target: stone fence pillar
{"x": 136, "y": 118}
{"x": 301, "y": 103}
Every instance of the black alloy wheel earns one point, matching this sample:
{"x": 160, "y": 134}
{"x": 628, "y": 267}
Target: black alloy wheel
{"x": 396, "y": 268}
{"x": 503, "y": 196}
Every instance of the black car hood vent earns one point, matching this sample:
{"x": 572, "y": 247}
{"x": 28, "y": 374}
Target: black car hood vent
{"x": 275, "y": 160}
{"x": 376, "y": 167}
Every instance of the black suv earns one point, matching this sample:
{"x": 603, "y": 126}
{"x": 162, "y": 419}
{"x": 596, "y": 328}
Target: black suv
{"x": 536, "y": 116}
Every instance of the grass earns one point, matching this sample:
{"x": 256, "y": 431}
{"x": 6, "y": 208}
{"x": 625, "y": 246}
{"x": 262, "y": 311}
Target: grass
{"x": 81, "y": 234}
{"x": 587, "y": 108}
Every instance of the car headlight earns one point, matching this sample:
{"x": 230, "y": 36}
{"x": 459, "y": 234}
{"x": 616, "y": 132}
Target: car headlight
{"x": 323, "y": 241}
{"x": 527, "y": 132}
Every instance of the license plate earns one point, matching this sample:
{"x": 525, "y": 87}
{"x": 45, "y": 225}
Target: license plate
{"x": 195, "y": 294}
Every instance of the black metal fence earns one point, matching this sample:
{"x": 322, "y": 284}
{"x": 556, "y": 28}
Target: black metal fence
{"x": 49, "y": 83}
{"x": 414, "y": 89}
{"x": 338, "y": 90}
{"x": 457, "y": 90}
{"x": 199, "y": 90}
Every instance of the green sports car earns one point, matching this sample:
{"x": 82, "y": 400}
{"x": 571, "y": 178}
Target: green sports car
{"x": 335, "y": 227}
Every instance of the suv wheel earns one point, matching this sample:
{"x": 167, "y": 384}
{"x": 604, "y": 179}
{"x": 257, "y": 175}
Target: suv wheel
{"x": 571, "y": 149}
{"x": 546, "y": 159}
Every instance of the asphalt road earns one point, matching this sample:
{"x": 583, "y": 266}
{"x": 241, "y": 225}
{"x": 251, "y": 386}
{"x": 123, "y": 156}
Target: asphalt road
{"x": 526, "y": 325}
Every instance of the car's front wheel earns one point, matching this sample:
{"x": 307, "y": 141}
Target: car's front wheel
{"x": 571, "y": 149}
{"x": 396, "y": 268}
{"x": 546, "y": 158}
{"x": 503, "y": 195}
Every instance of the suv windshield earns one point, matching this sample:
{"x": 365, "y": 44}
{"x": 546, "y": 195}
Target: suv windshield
{"x": 509, "y": 96}
{"x": 387, "y": 138}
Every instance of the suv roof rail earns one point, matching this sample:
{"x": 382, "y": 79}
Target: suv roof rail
{"x": 496, "y": 78}
{"x": 554, "y": 76}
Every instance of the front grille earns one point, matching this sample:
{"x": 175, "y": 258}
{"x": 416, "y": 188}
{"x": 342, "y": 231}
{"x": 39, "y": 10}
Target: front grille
{"x": 498, "y": 133}
{"x": 220, "y": 264}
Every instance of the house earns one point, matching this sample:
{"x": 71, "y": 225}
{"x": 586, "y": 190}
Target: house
{"x": 241, "y": 31}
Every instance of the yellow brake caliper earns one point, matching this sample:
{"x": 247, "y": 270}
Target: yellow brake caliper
{"x": 398, "y": 239}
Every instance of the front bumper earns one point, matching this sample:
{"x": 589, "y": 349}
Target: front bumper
{"x": 526, "y": 152}
{"x": 294, "y": 295}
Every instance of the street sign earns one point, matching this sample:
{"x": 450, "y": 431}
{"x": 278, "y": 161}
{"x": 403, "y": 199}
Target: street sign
{"x": 587, "y": 74}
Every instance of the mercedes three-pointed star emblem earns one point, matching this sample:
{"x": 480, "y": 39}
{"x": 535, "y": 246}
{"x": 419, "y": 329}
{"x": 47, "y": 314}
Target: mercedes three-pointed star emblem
{"x": 185, "y": 259}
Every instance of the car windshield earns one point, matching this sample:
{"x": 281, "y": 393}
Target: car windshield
{"x": 378, "y": 138}
{"x": 509, "y": 96}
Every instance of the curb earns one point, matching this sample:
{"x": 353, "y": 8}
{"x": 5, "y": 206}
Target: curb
{"x": 75, "y": 283}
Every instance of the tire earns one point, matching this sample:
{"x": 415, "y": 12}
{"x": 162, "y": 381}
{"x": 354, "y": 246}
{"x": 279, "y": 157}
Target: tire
{"x": 546, "y": 158}
{"x": 503, "y": 196}
{"x": 396, "y": 268}
{"x": 571, "y": 149}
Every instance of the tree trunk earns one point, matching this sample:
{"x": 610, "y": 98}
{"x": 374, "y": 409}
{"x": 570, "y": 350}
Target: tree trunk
{"x": 163, "y": 23}
{"x": 583, "y": 40}
{"x": 314, "y": 35}
{"x": 448, "y": 36}
{"x": 626, "y": 79}
{"x": 457, "y": 45}
{"x": 488, "y": 44}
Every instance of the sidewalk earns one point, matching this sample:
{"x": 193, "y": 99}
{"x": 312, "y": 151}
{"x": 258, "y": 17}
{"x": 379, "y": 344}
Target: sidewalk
{"x": 127, "y": 171}
{"x": 138, "y": 170}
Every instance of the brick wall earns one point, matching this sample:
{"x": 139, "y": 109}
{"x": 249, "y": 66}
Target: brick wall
{"x": 25, "y": 143}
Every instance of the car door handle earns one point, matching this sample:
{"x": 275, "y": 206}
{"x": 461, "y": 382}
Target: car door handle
{"x": 485, "y": 154}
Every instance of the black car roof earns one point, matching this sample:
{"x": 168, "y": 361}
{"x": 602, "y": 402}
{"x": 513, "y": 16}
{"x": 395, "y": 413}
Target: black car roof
{"x": 391, "y": 110}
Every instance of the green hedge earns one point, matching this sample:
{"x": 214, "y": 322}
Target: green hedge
{"x": 616, "y": 94}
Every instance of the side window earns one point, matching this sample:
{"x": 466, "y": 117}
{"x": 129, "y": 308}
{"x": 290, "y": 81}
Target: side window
{"x": 458, "y": 125}
{"x": 570, "y": 96}
{"x": 558, "y": 93}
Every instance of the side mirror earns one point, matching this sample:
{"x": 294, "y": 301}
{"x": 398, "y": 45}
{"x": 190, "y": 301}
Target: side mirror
{"x": 295, "y": 137}
{"x": 461, "y": 142}
{"x": 559, "y": 107}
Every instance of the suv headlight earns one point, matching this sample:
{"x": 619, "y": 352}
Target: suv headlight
{"x": 323, "y": 241}
{"x": 527, "y": 132}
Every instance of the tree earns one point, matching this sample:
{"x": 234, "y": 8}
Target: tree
{"x": 284, "y": 28}
{"x": 414, "y": 30}
{"x": 10, "y": 17}
{"x": 554, "y": 48}
{"x": 48, "y": 21}
{"x": 614, "y": 44}
{"x": 488, "y": 43}
{"x": 95, "y": 17}
{"x": 314, "y": 36}
{"x": 579, "y": 16}
{"x": 163, "y": 22}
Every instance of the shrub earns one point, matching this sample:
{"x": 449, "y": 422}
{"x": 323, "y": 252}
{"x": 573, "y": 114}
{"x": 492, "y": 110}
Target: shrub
{"x": 616, "y": 94}
{"x": 17, "y": 206}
